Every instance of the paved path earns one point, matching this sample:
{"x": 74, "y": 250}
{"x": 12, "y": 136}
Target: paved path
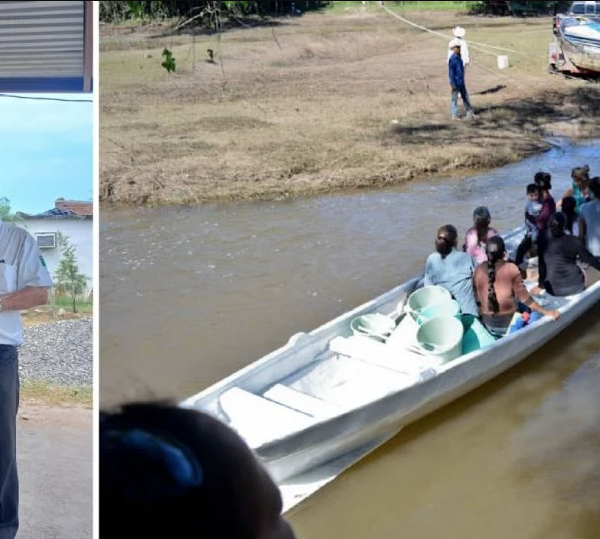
{"x": 56, "y": 474}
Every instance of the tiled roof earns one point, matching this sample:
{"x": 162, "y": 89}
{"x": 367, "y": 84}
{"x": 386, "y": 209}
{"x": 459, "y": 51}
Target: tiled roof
{"x": 64, "y": 209}
{"x": 77, "y": 206}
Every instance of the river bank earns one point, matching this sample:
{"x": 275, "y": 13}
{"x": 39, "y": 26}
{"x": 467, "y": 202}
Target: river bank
{"x": 320, "y": 103}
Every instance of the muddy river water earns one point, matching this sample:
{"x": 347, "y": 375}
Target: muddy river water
{"x": 190, "y": 295}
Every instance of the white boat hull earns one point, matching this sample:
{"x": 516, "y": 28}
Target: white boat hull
{"x": 304, "y": 460}
{"x": 386, "y": 417}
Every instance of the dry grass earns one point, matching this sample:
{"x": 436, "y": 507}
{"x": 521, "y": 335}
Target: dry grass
{"x": 305, "y": 107}
{"x": 46, "y": 393}
{"x": 62, "y": 311}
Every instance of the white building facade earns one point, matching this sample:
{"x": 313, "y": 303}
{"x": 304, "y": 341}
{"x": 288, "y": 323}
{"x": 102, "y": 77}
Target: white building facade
{"x": 77, "y": 229}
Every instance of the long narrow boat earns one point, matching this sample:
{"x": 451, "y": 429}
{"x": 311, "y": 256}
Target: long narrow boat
{"x": 311, "y": 409}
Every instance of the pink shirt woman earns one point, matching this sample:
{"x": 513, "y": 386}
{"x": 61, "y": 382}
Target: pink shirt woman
{"x": 478, "y": 235}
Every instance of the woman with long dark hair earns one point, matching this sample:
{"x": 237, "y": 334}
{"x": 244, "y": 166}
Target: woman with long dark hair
{"x": 452, "y": 269}
{"x": 478, "y": 234}
{"x": 574, "y": 225}
{"x": 562, "y": 252}
{"x": 499, "y": 286}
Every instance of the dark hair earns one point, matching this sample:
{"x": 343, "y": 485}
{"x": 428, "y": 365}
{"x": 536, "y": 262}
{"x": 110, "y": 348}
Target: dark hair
{"x": 543, "y": 180}
{"x": 495, "y": 250}
{"x": 569, "y": 204}
{"x": 595, "y": 186}
{"x": 482, "y": 219}
{"x": 533, "y": 188}
{"x": 445, "y": 240}
{"x": 557, "y": 224}
{"x": 581, "y": 174}
{"x": 165, "y": 469}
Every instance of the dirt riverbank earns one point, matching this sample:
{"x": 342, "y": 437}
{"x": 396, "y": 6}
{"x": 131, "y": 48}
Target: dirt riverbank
{"x": 320, "y": 103}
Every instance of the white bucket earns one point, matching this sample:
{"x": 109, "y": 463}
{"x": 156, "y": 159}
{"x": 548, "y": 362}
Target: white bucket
{"x": 425, "y": 297}
{"x": 374, "y": 325}
{"x": 441, "y": 337}
{"x": 502, "y": 61}
{"x": 447, "y": 308}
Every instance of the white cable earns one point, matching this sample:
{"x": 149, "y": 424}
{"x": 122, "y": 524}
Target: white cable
{"x": 446, "y": 36}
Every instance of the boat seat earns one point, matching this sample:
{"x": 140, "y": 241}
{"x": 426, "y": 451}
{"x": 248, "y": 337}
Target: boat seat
{"x": 302, "y": 402}
{"x": 259, "y": 420}
{"x": 402, "y": 361}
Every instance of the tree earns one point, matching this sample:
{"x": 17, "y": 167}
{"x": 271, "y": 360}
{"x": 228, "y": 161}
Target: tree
{"x": 67, "y": 275}
{"x": 5, "y": 213}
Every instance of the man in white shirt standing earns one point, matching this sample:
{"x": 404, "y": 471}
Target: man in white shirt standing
{"x": 24, "y": 283}
{"x": 459, "y": 34}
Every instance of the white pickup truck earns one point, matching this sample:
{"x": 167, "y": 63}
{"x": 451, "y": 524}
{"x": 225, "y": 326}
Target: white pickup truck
{"x": 590, "y": 10}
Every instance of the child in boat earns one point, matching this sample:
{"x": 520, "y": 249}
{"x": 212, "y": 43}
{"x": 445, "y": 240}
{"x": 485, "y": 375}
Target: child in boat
{"x": 498, "y": 289}
{"x": 452, "y": 269}
{"x": 478, "y": 234}
{"x": 167, "y": 471}
{"x": 533, "y": 206}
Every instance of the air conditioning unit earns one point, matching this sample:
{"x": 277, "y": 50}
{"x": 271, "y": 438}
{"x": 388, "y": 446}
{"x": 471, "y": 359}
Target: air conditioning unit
{"x": 46, "y": 240}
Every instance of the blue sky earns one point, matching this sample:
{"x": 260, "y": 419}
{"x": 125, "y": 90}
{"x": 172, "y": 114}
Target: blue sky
{"x": 46, "y": 151}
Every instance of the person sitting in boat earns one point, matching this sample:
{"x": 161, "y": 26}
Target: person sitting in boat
{"x": 167, "y": 471}
{"x": 574, "y": 226}
{"x": 544, "y": 181}
{"x": 500, "y": 291}
{"x": 580, "y": 187}
{"x": 477, "y": 236}
{"x": 451, "y": 269}
{"x": 533, "y": 206}
{"x": 590, "y": 219}
{"x": 562, "y": 254}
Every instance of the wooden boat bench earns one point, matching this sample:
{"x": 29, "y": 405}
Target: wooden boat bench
{"x": 302, "y": 402}
{"x": 259, "y": 419}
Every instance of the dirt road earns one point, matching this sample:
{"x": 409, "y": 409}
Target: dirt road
{"x": 56, "y": 474}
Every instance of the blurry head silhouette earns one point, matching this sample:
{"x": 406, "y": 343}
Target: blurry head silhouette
{"x": 167, "y": 471}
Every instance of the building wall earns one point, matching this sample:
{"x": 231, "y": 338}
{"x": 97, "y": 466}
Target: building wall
{"x": 79, "y": 233}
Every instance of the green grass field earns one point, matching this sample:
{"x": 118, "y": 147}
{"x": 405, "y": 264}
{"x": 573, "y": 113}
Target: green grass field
{"x": 66, "y": 303}
{"x": 407, "y": 6}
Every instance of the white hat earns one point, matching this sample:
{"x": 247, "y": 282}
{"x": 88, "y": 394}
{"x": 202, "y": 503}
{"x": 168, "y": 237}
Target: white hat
{"x": 459, "y": 31}
{"x": 454, "y": 43}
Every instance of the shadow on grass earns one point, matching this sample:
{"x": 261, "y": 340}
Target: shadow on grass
{"x": 493, "y": 90}
{"x": 239, "y": 23}
{"x": 523, "y": 118}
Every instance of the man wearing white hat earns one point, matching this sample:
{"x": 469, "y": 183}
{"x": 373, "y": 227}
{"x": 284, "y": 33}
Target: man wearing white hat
{"x": 456, "y": 74}
{"x": 459, "y": 33}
